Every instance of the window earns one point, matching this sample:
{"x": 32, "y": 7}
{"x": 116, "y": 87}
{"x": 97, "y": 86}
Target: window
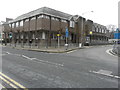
{"x": 93, "y": 28}
{"x": 17, "y": 24}
{"x": 104, "y": 31}
{"x": 40, "y": 16}
{"x": 47, "y": 17}
{"x": 21, "y": 23}
{"x": 56, "y": 19}
{"x": 13, "y": 25}
{"x": 9, "y": 25}
{"x": 64, "y": 21}
{"x": 26, "y": 20}
{"x": 96, "y": 29}
{"x": 33, "y": 18}
{"x": 72, "y": 24}
{"x": 43, "y": 35}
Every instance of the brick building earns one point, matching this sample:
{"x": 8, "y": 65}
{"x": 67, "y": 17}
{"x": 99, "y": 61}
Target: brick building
{"x": 41, "y": 27}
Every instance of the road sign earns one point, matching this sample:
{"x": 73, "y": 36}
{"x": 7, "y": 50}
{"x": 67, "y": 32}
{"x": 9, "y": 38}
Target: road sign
{"x": 66, "y": 32}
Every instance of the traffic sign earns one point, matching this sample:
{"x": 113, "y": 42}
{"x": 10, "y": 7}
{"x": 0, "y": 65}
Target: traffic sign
{"x": 66, "y": 32}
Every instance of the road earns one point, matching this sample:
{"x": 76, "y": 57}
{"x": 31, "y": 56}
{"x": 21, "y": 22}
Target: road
{"x": 84, "y": 68}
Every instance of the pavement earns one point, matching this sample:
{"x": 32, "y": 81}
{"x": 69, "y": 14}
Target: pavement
{"x": 62, "y": 49}
{"x": 82, "y": 68}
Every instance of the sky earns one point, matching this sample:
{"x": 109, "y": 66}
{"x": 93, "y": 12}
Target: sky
{"x": 105, "y": 12}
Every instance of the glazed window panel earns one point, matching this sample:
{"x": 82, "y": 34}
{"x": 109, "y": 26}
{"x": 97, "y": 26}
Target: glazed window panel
{"x": 33, "y": 18}
{"x": 72, "y": 24}
{"x": 21, "y": 23}
{"x": 17, "y": 24}
{"x": 9, "y": 25}
{"x": 40, "y": 16}
{"x": 64, "y": 21}
{"x": 26, "y": 20}
{"x": 13, "y": 25}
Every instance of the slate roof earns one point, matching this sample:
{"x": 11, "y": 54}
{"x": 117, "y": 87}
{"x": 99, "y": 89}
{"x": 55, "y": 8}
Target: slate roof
{"x": 44, "y": 10}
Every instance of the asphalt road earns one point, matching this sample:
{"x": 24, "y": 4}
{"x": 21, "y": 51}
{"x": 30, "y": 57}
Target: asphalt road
{"x": 84, "y": 68}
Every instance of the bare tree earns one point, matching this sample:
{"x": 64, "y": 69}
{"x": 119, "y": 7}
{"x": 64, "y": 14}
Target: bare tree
{"x": 112, "y": 29}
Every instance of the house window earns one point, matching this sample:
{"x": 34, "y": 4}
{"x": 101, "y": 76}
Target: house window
{"x": 43, "y": 35}
{"x": 40, "y": 16}
{"x": 17, "y": 24}
{"x": 72, "y": 24}
{"x": 53, "y": 18}
{"x": 21, "y": 23}
{"x": 96, "y": 29}
{"x": 64, "y": 21}
{"x": 9, "y": 25}
{"x": 26, "y": 20}
{"x": 13, "y": 25}
{"x": 47, "y": 17}
{"x": 33, "y": 18}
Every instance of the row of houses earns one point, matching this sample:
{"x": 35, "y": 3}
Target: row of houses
{"x": 44, "y": 26}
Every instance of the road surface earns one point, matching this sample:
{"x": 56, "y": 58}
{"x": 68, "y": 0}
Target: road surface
{"x": 84, "y": 68}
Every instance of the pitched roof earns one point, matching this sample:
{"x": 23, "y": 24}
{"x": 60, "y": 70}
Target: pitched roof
{"x": 44, "y": 10}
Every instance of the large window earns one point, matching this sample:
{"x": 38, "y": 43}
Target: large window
{"x": 21, "y": 23}
{"x": 64, "y": 21}
{"x": 43, "y": 35}
{"x": 72, "y": 24}
{"x": 102, "y": 30}
{"x": 97, "y": 29}
{"x": 10, "y": 25}
{"x": 17, "y": 24}
{"x": 26, "y": 20}
{"x": 13, "y": 25}
{"x": 44, "y": 16}
{"x": 33, "y": 18}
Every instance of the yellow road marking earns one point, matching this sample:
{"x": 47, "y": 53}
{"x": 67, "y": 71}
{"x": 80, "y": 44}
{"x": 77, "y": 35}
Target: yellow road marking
{"x": 13, "y": 81}
{"x": 7, "y": 82}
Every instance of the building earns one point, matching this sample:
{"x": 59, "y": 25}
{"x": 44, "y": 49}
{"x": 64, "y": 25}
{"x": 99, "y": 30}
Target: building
{"x": 44, "y": 26}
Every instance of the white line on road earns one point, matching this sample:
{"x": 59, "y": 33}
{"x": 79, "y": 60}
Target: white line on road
{"x": 105, "y": 74}
{"x": 43, "y": 61}
{"x": 107, "y": 51}
{"x": 29, "y": 58}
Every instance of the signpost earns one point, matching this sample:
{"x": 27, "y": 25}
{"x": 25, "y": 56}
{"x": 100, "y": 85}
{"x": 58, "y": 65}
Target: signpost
{"x": 66, "y": 35}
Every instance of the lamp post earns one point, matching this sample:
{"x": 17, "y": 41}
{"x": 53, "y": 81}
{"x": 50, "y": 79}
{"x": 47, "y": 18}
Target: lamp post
{"x": 81, "y": 44}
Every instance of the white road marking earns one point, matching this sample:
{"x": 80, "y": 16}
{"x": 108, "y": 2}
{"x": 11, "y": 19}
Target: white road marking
{"x": 107, "y": 51}
{"x": 105, "y": 73}
{"x": 43, "y": 61}
{"x": 50, "y": 62}
{"x": 71, "y": 51}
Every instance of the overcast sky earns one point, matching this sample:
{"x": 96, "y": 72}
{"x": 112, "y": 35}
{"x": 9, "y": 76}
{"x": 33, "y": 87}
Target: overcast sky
{"x": 105, "y": 11}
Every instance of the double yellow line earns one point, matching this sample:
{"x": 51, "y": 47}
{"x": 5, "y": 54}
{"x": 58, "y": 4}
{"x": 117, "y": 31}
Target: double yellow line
{"x": 11, "y": 82}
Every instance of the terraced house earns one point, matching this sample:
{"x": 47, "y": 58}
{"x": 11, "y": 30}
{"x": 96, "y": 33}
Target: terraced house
{"x": 43, "y": 27}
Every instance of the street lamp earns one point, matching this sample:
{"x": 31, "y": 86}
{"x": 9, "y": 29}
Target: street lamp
{"x": 81, "y": 44}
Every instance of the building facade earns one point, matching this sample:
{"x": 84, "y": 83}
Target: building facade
{"x": 44, "y": 26}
